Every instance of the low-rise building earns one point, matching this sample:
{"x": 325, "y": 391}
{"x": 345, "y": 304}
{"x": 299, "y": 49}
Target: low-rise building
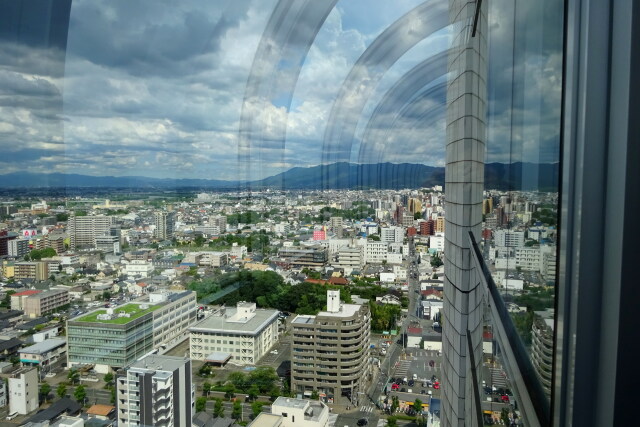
{"x": 45, "y": 302}
{"x": 300, "y": 412}
{"x": 23, "y": 391}
{"x": 17, "y": 299}
{"x": 304, "y": 257}
{"x": 34, "y": 270}
{"x": 242, "y": 334}
{"x": 44, "y": 354}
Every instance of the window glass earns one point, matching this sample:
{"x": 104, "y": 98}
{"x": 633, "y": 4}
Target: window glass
{"x": 520, "y": 206}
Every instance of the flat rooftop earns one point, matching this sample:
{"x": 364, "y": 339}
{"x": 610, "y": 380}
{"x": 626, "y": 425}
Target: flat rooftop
{"x": 134, "y": 310}
{"x": 225, "y": 323}
{"x": 154, "y": 362}
{"x": 44, "y": 346}
{"x": 346, "y": 310}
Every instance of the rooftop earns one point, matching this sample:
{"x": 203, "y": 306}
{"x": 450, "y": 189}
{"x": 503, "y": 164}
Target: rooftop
{"x": 44, "y": 346}
{"x": 346, "y": 310}
{"x": 155, "y": 362}
{"x": 226, "y": 323}
{"x": 134, "y": 310}
{"x": 29, "y": 292}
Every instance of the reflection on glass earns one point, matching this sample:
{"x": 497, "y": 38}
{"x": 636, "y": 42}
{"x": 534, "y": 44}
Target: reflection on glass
{"x": 520, "y": 207}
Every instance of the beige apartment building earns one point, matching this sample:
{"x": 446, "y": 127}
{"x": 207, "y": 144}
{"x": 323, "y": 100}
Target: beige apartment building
{"x": 330, "y": 351}
{"x": 45, "y": 302}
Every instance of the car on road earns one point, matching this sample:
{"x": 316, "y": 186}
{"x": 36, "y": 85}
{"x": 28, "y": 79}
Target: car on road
{"x": 504, "y": 398}
{"x": 411, "y": 382}
{"x": 404, "y": 390}
{"x": 423, "y": 392}
{"x": 362, "y": 422}
{"x": 436, "y": 385}
{"x": 394, "y": 386}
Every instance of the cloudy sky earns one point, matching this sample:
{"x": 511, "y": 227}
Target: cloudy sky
{"x": 246, "y": 89}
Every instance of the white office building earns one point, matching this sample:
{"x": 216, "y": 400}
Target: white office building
{"x": 240, "y": 335}
{"x": 391, "y": 234}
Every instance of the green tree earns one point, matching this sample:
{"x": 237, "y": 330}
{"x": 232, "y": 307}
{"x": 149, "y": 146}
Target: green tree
{"x": 45, "y": 389}
{"x": 229, "y": 391}
{"x": 236, "y": 411}
{"x": 108, "y": 377}
{"x": 218, "y": 409}
{"x": 253, "y": 392}
{"x": 239, "y": 380}
{"x": 256, "y": 408}
{"x": 392, "y": 422}
{"x": 201, "y": 403}
{"x": 436, "y": 261}
{"x": 80, "y": 394}
{"x": 73, "y": 376}
{"x": 315, "y": 395}
{"x": 504, "y": 416}
{"x": 206, "y": 388}
{"x": 417, "y": 405}
{"x": 61, "y": 391}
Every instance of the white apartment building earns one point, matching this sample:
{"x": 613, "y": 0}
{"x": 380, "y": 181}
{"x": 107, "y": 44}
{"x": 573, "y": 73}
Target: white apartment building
{"x": 436, "y": 243}
{"x": 138, "y": 268}
{"x": 23, "y": 391}
{"x": 156, "y": 391}
{"x": 282, "y": 228}
{"x": 351, "y": 257}
{"x": 375, "y": 252}
{"x": 529, "y": 258}
{"x": 241, "y": 335}
{"x": 509, "y": 238}
{"x": 391, "y": 234}
{"x": 83, "y": 230}
{"x": 238, "y": 251}
{"x": 300, "y": 412}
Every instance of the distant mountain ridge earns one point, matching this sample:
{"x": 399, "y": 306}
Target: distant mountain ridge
{"x": 499, "y": 176}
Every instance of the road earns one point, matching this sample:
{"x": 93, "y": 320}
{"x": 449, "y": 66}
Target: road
{"x": 395, "y": 350}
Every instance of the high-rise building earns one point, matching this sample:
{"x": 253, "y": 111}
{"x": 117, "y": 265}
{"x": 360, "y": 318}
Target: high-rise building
{"x": 440, "y": 224}
{"x": 5, "y": 238}
{"x": 18, "y": 248}
{"x": 330, "y": 351}
{"x": 83, "y": 230}
{"x": 464, "y": 182}
{"x": 155, "y": 391}
{"x": 542, "y": 346}
{"x": 165, "y": 225}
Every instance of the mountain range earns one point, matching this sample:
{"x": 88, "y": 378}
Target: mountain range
{"x": 499, "y": 176}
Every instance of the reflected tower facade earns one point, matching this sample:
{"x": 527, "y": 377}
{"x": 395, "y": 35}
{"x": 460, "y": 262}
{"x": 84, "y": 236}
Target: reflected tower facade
{"x": 464, "y": 180}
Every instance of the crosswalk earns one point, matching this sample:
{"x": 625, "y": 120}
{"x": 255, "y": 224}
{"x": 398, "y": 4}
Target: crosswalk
{"x": 367, "y": 408}
{"x": 332, "y": 419}
{"x": 403, "y": 368}
{"x": 498, "y": 377}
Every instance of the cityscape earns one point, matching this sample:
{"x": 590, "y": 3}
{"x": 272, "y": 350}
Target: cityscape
{"x": 247, "y": 307}
{"x": 319, "y": 213}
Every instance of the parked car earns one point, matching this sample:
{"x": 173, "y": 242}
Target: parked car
{"x": 362, "y": 422}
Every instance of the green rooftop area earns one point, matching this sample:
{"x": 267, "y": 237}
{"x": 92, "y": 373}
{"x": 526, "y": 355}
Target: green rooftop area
{"x": 133, "y": 309}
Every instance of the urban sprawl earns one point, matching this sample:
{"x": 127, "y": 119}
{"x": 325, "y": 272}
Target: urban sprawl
{"x": 269, "y": 308}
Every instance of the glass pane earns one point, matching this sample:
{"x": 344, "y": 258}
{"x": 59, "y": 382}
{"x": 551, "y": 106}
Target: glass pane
{"x": 520, "y": 207}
